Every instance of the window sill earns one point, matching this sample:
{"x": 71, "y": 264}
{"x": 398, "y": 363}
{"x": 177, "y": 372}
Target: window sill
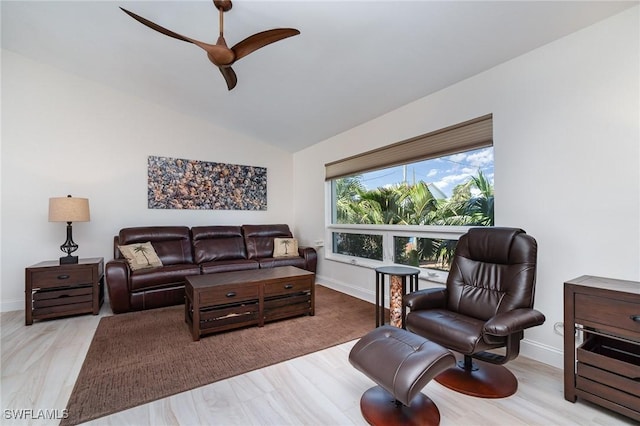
{"x": 429, "y": 275}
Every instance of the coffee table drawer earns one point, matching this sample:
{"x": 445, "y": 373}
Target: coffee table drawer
{"x": 232, "y": 293}
{"x": 287, "y": 287}
{"x": 284, "y": 307}
{"x": 213, "y": 319}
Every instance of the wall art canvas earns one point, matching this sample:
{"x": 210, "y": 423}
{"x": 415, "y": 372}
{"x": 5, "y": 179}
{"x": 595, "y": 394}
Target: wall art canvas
{"x": 176, "y": 183}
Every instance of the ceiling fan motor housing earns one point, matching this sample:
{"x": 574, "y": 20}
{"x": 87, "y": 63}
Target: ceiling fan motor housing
{"x": 223, "y": 5}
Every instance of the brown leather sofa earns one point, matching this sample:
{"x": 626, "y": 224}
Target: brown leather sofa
{"x": 184, "y": 251}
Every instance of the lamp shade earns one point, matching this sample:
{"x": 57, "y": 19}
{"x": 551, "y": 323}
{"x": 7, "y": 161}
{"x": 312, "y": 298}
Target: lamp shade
{"x": 68, "y": 209}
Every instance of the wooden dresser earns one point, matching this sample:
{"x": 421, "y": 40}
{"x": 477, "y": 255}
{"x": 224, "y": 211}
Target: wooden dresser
{"x": 605, "y": 368}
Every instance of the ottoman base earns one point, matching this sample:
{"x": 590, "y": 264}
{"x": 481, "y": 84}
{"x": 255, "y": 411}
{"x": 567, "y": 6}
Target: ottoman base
{"x": 380, "y": 408}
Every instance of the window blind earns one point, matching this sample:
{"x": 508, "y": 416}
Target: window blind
{"x": 472, "y": 134}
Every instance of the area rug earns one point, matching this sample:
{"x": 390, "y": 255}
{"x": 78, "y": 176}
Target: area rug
{"x": 139, "y": 357}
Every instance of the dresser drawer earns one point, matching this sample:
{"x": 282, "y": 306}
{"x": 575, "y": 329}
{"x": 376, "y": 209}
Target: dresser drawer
{"x": 609, "y": 379}
{"x": 630, "y": 401}
{"x": 287, "y": 287}
{"x": 224, "y": 294}
{"x": 622, "y": 358}
{"x": 606, "y": 311}
{"x": 60, "y": 277}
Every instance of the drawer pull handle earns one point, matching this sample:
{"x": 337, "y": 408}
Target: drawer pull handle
{"x": 231, "y": 294}
{"x": 635, "y": 318}
{"x": 288, "y": 286}
{"x": 63, "y": 277}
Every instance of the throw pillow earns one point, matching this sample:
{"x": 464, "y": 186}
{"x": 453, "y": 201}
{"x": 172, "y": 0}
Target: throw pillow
{"x": 285, "y": 247}
{"x": 140, "y": 256}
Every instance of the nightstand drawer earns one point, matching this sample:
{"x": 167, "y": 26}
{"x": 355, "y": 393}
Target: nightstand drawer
{"x": 60, "y": 277}
{"x": 65, "y": 296}
{"x": 602, "y": 310}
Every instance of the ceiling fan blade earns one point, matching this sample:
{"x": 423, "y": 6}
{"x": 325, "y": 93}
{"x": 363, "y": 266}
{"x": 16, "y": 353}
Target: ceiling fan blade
{"x": 256, "y": 41}
{"x": 229, "y": 76}
{"x": 157, "y": 27}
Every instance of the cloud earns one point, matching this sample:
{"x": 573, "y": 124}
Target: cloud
{"x": 476, "y": 159}
{"x": 451, "y": 180}
{"x": 481, "y": 158}
{"x": 432, "y": 172}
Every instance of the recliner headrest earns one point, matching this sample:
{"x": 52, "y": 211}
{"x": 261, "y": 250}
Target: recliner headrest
{"x": 491, "y": 244}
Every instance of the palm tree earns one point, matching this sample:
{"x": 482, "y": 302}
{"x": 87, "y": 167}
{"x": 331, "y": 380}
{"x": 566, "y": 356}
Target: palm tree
{"x": 347, "y": 190}
{"x": 286, "y": 245}
{"x": 142, "y": 249}
{"x": 480, "y": 207}
{"x": 419, "y": 204}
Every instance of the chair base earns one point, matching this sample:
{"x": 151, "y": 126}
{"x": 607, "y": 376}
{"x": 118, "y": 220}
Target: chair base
{"x": 484, "y": 380}
{"x": 380, "y": 408}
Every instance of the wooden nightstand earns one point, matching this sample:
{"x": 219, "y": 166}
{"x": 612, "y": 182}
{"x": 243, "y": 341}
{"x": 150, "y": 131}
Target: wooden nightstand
{"x": 53, "y": 290}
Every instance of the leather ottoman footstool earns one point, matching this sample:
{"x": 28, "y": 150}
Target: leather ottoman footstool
{"x": 401, "y": 363}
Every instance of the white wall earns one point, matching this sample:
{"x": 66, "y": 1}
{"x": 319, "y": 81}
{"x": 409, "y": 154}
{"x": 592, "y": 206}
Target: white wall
{"x": 567, "y": 154}
{"x": 65, "y": 135}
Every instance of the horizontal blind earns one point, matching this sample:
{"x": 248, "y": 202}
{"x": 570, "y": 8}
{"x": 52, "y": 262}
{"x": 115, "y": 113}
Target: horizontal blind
{"x": 472, "y": 134}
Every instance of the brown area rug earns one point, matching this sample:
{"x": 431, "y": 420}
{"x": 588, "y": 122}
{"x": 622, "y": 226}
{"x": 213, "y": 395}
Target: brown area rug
{"x": 139, "y": 357}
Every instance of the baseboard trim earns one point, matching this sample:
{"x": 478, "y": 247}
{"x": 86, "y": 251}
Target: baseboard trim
{"x": 540, "y": 352}
{"x": 528, "y": 348}
{"x": 12, "y": 305}
{"x": 366, "y": 295}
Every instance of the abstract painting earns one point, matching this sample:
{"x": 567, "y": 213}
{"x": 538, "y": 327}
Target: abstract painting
{"x": 176, "y": 183}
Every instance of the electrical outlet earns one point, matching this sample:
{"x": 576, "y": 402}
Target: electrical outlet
{"x": 558, "y": 328}
{"x": 319, "y": 243}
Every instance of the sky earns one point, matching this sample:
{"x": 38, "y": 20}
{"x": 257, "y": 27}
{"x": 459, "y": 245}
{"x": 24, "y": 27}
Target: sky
{"x": 444, "y": 173}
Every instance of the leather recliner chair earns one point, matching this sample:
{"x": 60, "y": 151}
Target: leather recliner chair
{"x": 487, "y": 304}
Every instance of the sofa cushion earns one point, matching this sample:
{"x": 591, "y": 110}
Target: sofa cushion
{"x": 228, "y": 265}
{"x": 171, "y": 243}
{"x": 213, "y": 243}
{"x": 259, "y": 239}
{"x": 145, "y": 279}
{"x": 273, "y": 262}
{"x": 140, "y": 256}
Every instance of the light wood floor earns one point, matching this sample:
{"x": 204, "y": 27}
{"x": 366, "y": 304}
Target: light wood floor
{"x": 40, "y": 364}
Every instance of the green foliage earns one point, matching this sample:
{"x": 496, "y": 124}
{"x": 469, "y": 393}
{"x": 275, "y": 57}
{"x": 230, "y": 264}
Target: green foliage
{"x": 405, "y": 204}
{"x": 471, "y": 204}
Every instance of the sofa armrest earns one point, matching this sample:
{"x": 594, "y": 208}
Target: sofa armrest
{"x": 514, "y": 321}
{"x": 429, "y": 298}
{"x": 117, "y": 278}
{"x": 310, "y": 258}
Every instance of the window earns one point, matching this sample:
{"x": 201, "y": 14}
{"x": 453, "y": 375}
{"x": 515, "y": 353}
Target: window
{"x": 431, "y": 253}
{"x": 414, "y": 212}
{"x": 367, "y": 246}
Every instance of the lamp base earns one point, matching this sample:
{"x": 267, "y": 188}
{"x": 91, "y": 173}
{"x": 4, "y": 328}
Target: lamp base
{"x": 65, "y": 260}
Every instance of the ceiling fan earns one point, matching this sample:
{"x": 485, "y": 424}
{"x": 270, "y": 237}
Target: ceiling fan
{"x": 221, "y": 55}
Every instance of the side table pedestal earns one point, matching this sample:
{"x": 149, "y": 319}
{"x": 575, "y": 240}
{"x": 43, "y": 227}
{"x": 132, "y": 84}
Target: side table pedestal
{"x": 397, "y": 289}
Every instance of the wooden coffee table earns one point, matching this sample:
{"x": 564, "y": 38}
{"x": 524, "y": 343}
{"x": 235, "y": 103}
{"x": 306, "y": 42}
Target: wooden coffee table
{"x": 227, "y": 300}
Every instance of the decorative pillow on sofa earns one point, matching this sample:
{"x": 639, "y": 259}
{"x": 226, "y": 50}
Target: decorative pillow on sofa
{"x": 285, "y": 247}
{"x": 140, "y": 256}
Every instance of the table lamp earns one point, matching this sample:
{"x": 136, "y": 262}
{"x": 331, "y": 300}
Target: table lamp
{"x": 68, "y": 209}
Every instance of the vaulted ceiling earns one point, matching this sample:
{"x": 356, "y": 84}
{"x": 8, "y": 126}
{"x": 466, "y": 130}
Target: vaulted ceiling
{"x": 352, "y": 62}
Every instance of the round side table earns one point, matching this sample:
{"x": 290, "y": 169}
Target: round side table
{"x": 397, "y": 289}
